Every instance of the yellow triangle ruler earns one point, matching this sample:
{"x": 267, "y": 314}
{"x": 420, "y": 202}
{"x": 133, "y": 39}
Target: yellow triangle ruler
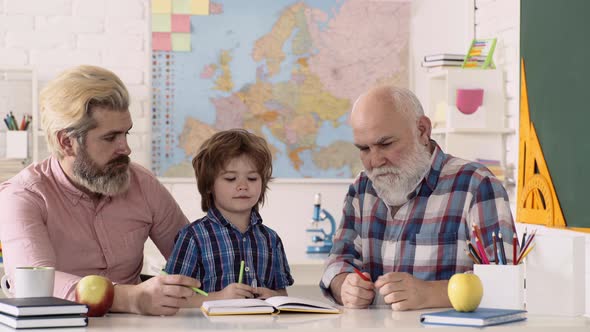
{"x": 537, "y": 201}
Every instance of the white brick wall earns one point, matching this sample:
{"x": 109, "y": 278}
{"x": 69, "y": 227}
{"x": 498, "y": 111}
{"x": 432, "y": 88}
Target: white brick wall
{"x": 38, "y": 8}
{"x": 52, "y": 35}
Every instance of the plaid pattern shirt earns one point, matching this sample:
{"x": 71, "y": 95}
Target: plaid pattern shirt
{"x": 425, "y": 237}
{"x": 211, "y": 249}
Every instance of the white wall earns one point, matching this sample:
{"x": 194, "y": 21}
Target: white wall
{"x": 55, "y": 34}
{"x": 501, "y": 19}
{"x": 52, "y": 35}
{"x": 437, "y": 27}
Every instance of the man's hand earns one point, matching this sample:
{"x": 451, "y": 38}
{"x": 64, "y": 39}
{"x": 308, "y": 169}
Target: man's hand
{"x": 352, "y": 291}
{"x": 406, "y": 292}
{"x": 160, "y": 295}
{"x": 235, "y": 291}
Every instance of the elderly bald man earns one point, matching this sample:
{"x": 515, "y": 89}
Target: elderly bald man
{"x": 407, "y": 216}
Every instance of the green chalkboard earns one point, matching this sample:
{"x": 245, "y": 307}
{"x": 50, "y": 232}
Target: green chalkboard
{"x": 555, "y": 46}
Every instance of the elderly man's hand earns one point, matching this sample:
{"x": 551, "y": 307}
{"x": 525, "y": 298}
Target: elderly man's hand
{"x": 355, "y": 292}
{"x": 403, "y": 291}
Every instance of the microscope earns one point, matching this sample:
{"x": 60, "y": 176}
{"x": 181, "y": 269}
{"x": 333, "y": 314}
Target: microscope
{"x": 319, "y": 235}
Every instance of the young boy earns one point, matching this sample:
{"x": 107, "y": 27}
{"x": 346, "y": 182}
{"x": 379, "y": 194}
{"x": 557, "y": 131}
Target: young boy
{"x": 232, "y": 168}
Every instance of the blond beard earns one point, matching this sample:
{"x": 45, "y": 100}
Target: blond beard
{"x": 109, "y": 180}
{"x": 394, "y": 184}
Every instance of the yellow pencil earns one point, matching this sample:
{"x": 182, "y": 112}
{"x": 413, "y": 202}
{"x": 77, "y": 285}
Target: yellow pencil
{"x": 241, "y": 275}
{"x": 195, "y": 289}
{"x": 525, "y": 253}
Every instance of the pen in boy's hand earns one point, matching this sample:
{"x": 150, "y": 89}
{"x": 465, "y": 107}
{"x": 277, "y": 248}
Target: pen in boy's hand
{"x": 195, "y": 289}
{"x": 255, "y": 287}
{"x": 241, "y": 275}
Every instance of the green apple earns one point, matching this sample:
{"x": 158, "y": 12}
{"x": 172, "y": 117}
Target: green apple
{"x": 97, "y": 292}
{"x": 465, "y": 291}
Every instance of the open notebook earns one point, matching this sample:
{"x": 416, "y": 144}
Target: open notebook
{"x": 272, "y": 305}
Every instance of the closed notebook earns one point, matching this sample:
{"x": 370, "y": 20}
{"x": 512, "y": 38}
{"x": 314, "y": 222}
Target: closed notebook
{"x": 39, "y": 306}
{"x": 27, "y": 322}
{"x": 479, "y": 317}
{"x": 271, "y": 305}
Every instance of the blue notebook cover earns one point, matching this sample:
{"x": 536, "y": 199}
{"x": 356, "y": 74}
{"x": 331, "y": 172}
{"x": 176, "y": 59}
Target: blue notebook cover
{"x": 479, "y": 317}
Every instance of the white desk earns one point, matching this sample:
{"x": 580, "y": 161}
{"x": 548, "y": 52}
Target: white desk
{"x": 380, "y": 318}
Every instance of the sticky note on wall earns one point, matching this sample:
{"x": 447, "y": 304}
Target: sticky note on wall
{"x": 200, "y": 7}
{"x": 181, "y": 42}
{"x": 161, "y": 23}
{"x": 161, "y": 41}
{"x": 161, "y": 6}
{"x": 181, "y": 6}
{"x": 181, "y": 23}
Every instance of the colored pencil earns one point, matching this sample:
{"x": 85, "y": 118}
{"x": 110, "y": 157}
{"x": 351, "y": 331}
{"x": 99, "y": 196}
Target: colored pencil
{"x": 473, "y": 252}
{"x": 360, "y": 274}
{"x": 501, "y": 248}
{"x": 514, "y": 245}
{"x": 523, "y": 241}
{"x": 471, "y": 256}
{"x": 195, "y": 289}
{"x": 524, "y": 254}
{"x": 495, "y": 247}
{"x": 482, "y": 252}
{"x": 241, "y": 275}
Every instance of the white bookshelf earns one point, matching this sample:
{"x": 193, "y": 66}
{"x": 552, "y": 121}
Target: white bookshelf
{"x": 478, "y": 135}
{"x": 19, "y": 94}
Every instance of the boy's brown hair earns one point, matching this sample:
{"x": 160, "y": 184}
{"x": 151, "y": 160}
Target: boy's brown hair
{"x": 218, "y": 150}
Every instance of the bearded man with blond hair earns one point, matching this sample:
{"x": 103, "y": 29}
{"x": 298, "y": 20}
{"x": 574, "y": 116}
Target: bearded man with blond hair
{"x": 87, "y": 209}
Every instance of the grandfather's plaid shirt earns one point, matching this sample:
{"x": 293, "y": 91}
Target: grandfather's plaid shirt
{"x": 426, "y": 236}
{"x": 210, "y": 249}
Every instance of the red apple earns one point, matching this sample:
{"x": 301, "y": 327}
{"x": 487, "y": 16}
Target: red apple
{"x": 97, "y": 293}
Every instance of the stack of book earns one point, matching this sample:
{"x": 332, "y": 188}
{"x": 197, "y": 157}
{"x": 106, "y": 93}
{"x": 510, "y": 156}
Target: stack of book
{"x": 443, "y": 60}
{"x": 37, "y": 312}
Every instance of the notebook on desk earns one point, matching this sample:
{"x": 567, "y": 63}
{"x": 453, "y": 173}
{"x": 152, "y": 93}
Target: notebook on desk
{"x": 479, "y": 317}
{"x": 272, "y": 305}
{"x": 28, "y": 322}
{"x": 40, "y": 306}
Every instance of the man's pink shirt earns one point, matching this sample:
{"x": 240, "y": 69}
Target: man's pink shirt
{"x": 47, "y": 221}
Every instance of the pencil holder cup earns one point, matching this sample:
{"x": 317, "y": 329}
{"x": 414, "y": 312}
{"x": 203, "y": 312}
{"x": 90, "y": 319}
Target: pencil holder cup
{"x": 503, "y": 285}
{"x": 17, "y": 144}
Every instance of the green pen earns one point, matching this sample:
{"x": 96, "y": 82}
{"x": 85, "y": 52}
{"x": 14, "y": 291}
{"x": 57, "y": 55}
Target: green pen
{"x": 241, "y": 275}
{"x": 198, "y": 291}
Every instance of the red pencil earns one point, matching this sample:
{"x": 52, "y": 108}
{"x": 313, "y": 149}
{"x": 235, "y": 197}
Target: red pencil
{"x": 364, "y": 277}
{"x": 482, "y": 252}
{"x": 514, "y": 245}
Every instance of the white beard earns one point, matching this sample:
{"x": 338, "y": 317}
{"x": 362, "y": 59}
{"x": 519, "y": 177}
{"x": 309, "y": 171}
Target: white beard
{"x": 393, "y": 184}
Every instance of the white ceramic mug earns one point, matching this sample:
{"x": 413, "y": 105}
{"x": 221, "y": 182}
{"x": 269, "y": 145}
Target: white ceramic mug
{"x": 29, "y": 281}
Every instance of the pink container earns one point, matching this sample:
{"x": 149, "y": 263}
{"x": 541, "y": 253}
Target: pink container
{"x": 468, "y": 100}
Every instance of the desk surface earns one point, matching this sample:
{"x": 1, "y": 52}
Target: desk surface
{"x": 380, "y": 318}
